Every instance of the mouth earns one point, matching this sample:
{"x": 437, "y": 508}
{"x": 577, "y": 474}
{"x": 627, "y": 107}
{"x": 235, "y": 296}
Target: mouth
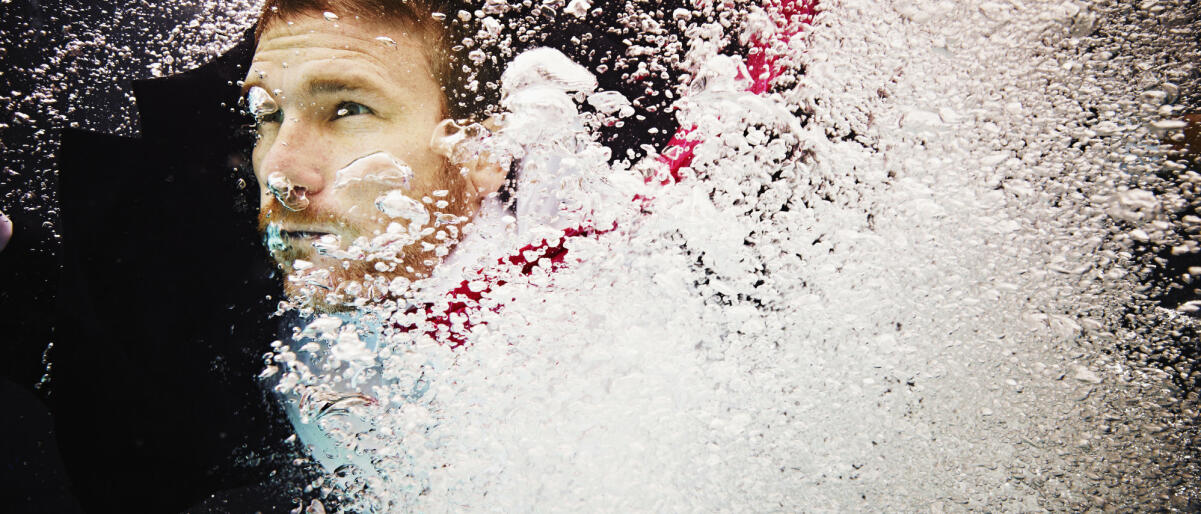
{"x": 304, "y": 234}
{"x": 279, "y": 239}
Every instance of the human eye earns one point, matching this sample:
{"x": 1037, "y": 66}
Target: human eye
{"x": 345, "y": 109}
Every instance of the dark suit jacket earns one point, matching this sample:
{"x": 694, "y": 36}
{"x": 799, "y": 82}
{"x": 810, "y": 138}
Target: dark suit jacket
{"x": 162, "y": 317}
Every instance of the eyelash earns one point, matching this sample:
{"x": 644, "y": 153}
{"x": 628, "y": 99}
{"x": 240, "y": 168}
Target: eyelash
{"x": 343, "y": 110}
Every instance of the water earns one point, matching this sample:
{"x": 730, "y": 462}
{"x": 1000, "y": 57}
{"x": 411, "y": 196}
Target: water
{"x": 917, "y": 260}
{"x": 888, "y": 286}
{"x": 377, "y": 168}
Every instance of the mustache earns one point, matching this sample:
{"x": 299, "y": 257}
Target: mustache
{"x": 276, "y": 213}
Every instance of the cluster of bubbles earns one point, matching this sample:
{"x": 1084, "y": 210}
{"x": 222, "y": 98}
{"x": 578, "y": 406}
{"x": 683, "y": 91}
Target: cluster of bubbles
{"x": 925, "y": 270}
{"x": 944, "y": 262}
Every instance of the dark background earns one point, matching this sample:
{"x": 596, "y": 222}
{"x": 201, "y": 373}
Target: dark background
{"x": 135, "y": 297}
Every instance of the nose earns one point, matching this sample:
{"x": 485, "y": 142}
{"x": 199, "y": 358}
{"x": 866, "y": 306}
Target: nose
{"x": 292, "y": 168}
{"x": 293, "y": 197}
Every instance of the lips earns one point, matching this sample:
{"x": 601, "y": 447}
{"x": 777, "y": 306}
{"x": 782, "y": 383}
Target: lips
{"x": 303, "y": 234}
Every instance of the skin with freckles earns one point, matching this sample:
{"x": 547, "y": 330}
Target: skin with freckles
{"x": 327, "y": 93}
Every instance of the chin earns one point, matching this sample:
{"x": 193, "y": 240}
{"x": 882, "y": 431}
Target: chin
{"x": 328, "y": 297}
{"x": 318, "y": 282}
{"x": 320, "y": 301}
{"x": 325, "y": 285}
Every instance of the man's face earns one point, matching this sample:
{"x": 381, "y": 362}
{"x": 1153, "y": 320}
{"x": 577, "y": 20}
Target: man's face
{"x": 346, "y": 112}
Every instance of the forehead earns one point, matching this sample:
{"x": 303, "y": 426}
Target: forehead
{"x": 394, "y": 50}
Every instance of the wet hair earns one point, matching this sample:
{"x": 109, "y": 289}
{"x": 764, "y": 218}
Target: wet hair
{"x": 435, "y": 22}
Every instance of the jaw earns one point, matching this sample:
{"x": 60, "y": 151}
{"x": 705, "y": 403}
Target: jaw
{"x": 328, "y": 284}
{"x": 319, "y": 300}
{"x": 345, "y": 281}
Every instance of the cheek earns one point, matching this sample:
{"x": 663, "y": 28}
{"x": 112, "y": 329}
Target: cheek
{"x": 430, "y": 172}
{"x": 354, "y": 209}
{"x": 264, "y": 196}
{"x": 256, "y": 164}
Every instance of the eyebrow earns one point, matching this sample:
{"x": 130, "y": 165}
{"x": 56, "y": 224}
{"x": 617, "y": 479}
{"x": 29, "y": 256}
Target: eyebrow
{"x": 329, "y": 84}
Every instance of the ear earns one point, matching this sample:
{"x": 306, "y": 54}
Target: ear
{"x": 484, "y": 175}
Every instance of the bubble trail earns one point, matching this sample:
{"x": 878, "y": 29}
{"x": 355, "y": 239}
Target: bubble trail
{"x": 883, "y": 266}
{"x": 899, "y": 256}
